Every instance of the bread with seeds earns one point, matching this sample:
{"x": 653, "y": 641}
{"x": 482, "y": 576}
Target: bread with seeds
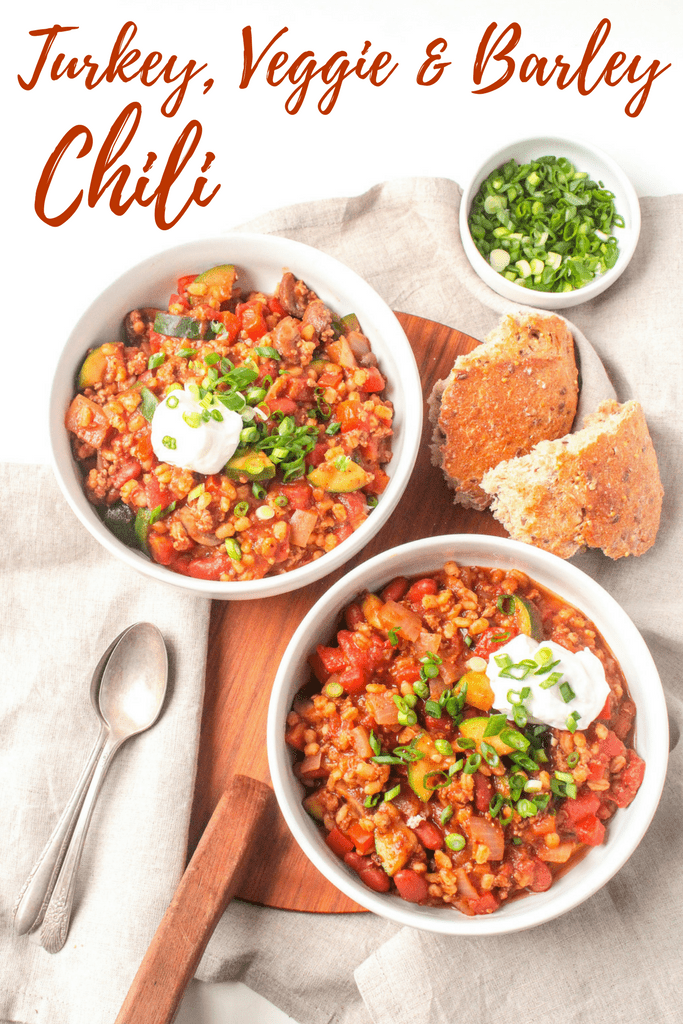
{"x": 519, "y": 387}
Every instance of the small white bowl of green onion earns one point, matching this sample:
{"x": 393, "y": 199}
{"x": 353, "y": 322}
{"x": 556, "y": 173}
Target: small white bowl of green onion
{"x": 549, "y": 222}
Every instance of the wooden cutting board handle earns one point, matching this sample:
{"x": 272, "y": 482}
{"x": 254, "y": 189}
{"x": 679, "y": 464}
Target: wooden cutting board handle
{"x": 206, "y": 888}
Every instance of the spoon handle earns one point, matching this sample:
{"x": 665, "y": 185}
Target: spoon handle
{"x": 37, "y": 889}
{"x": 58, "y": 913}
{"x": 209, "y": 883}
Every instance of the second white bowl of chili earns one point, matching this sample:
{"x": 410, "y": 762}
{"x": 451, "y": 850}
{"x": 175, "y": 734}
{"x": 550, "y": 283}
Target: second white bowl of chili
{"x": 203, "y": 530}
{"x": 594, "y": 806}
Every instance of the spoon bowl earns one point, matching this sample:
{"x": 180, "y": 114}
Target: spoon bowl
{"x": 133, "y": 686}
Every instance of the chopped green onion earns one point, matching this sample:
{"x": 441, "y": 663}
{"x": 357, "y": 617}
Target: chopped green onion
{"x": 420, "y": 687}
{"x": 446, "y": 814}
{"x": 233, "y": 549}
{"x": 195, "y": 492}
{"x": 514, "y": 739}
{"x": 241, "y": 508}
{"x": 567, "y": 692}
{"x": 489, "y": 754}
{"x": 573, "y": 759}
{"x": 155, "y": 360}
{"x": 169, "y": 442}
{"x": 553, "y": 678}
{"x": 334, "y": 689}
{"x": 454, "y": 841}
{"x": 433, "y": 709}
{"x": 443, "y": 747}
{"x": 494, "y": 725}
{"x": 149, "y": 403}
{"x": 472, "y": 763}
{"x": 392, "y": 793}
{"x": 171, "y": 401}
{"x": 572, "y": 721}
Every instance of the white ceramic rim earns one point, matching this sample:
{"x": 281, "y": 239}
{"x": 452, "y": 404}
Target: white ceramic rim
{"x": 333, "y": 281}
{"x": 627, "y": 243}
{"x": 601, "y": 863}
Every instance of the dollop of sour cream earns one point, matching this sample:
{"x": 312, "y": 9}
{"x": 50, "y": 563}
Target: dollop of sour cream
{"x": 183, "y": 436}
{"x": 582, "y": 672}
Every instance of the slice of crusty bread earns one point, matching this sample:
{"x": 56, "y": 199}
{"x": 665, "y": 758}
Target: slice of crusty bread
{"x": 519, "y": 387}
{"x": 598, "y": 487}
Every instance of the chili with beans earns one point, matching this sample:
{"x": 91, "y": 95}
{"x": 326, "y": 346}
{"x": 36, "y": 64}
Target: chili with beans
{"x": 316, "y": 432}
{"x": 418, "y": 784}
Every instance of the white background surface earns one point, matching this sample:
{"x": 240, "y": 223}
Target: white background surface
{"x": 266, "y": 158}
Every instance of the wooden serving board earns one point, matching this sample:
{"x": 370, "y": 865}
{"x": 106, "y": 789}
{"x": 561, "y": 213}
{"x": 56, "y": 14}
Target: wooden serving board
{"x": 247, "y": 640}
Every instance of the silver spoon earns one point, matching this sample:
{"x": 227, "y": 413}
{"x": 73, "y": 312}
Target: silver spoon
{"x": 132, "y": 694}
{"x": 35, "y": 894}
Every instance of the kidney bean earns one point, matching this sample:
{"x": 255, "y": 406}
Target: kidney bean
{"x": 355, "y": 861}
{"x": 543, "y": 878}
{"x": 420, "y": 590}
{"x": 375, "y": 878}
{"x": 411, "y": 886}
{"x": 395, "y": 590}
{"x": 483, "y": 792}
{"x": 429, "y": 835}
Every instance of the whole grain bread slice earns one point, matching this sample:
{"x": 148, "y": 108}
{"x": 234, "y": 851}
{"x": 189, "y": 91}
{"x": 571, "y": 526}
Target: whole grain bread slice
{"x": 598, "y": 487}
{"x": 517, "y": 388}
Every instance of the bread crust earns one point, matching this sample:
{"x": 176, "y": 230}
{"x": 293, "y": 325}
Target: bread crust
{"x": 598, "y": 488}
{"x": 518, "y": 388}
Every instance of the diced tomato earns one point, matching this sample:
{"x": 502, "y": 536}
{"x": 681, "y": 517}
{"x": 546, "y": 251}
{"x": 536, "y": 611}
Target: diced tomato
{"x": 373, "y": 382}
{"x": 407, "y": 673}
{"x": 276, "y": 307}
{"x": 628, "y": 782}
{"x": 88, "y": 421}
{"x": 363, "y": 841}
{"x": 352, "y": 416}
{"x": 128, "y": 470}
{"x": 352, "y": 652}
{"x": 252, "y": 320}
{"x": 161, "y": 548}
{"x": 379, "y": 483}
{"x": 299, "y": 494}
{"x": 184, "y": 281}
{"x": 231, "y": 323}
{"x": 332, "y": 659}
{"x": 155, "y": 341}
{"x": 354, "y": 679}
{"x": 596, "y": 771}
{"x": 281, "y": 404}
{"x": 485, "y": 904}
{"x": 210, "y": 568}
{"x": 491, "y": 640}
{"x": 177, "y": 304}
{"x": 411, "y": 887}
{"x": 606, "y": 712}
{"x": 338, "y": 842}
{"x": 590, "y": 831}
{"x": 316, "y": 455}
{"x": 611, "y": 747}
{"x": 156, "y": 494}
{"x": 356, "y": 507}
{"x": 421, "y": 589}
{"x": 584, "y": 805}
{"x": 330, "y": 378}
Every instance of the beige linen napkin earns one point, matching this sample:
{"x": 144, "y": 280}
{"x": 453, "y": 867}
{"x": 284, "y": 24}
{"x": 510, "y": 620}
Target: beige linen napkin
{"x": 616, "y": 958}
{"x": 64, "y": 599}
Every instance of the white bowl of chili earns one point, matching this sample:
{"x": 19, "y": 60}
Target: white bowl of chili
{"x": 259, "y": 261}
{"x": 566, "y": 585}
{"x": 537, "y": 247}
